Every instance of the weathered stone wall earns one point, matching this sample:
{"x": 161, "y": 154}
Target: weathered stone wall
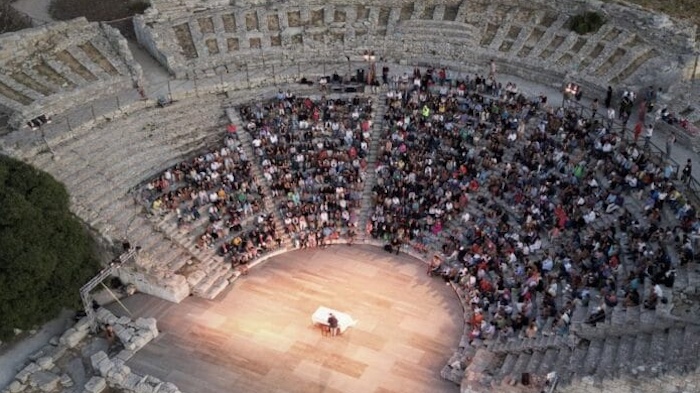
{"x": 635, "y": 48}
{"x": 49, "y": 69}
{"x": 171, "y": 287}
{"x": 50, "y": 369}
{"x": 148, "y": 38}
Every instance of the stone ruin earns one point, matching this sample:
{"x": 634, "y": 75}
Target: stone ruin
{"x": 78, "y": 361}
{"x": 530, "y": 39}
{"x": 50, "y": 69}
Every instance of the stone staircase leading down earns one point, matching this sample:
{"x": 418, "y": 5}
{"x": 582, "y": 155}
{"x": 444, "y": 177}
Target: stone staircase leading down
{"x": 207, "y": 273}
{"x": 661, "y": 349}
{"x": 100, "y": 167}
{"x": 375, "y": 147}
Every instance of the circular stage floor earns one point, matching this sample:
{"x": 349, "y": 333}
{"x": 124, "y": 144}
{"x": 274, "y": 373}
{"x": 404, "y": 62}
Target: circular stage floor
{"x": 258, "y": 336}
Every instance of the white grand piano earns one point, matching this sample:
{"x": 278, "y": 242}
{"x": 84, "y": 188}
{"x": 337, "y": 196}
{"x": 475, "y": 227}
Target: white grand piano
{"x": 320, "y": 317}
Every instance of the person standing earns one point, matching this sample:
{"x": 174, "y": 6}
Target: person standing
{"x": 637, "y": 131}
{"x": 685, "y": 176}
{"x": 594, "y": 108}
{"x": 333, "y": 325}
{"x": 611, "y": 117}
{"x": 647, "y": 135}
{"x": 670, "y": 141}
{"x": 608, "y": 97}
{"x": 492, "y": 69}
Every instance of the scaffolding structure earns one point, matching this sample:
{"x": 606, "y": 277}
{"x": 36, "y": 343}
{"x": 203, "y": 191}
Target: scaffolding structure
{"x": 97, "y": 280}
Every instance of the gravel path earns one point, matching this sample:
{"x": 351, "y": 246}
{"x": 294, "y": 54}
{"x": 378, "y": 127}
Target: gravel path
{"x": 38, "y": 10}
{"x": 13, "y": 356}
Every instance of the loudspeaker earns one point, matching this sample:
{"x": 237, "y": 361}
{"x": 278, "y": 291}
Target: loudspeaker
{"x": 525, "y": 379}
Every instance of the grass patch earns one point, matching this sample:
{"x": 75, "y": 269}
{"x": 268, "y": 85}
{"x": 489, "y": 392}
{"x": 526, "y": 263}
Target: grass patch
{"x": 11, "y": 19}
{"x": 587, "y": 22}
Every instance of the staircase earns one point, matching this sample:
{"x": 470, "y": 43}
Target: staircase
{"x": 371, "y": 179}
{"x": 574, "y": 359}
{"x": 269, "y": 203}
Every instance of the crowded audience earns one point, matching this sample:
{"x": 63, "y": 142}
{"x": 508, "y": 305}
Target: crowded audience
{"x": 313, "y": 155}
{"x": 527, "y": 206}
{"x": 530, "y": 210}
{"x": 215, "y": 197}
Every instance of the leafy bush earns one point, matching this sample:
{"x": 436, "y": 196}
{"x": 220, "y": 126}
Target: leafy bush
{"x": 46, "y": 255}
{"x": 11, "y": 19}
{"x": 587, "y": 22}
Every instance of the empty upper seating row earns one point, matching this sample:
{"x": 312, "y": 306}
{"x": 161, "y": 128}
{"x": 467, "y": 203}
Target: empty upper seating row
{"x": 219, "y": 37}
{"x": 47, "y": 70}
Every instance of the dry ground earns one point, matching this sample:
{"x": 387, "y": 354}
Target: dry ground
{"x": 96, "y": 10}
{"x": 682, "y": 9}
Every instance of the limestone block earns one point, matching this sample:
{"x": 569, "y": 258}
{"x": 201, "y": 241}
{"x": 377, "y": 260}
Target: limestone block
{"x": 148, "y": 323}
{"x": 131, "y": 381}
{"x": 105, "y": 316}
{"x": 45, "y": 362}
{"x": 115, "y": 378}
{"x": 125, "y": 335}
{"x": 125, "y": 355}
{"x": 138, "y": 342}
{"x": 118, "y": 328}
{"x": 23, "y": 375}
{"x": 104, "y": 366}
{"x": 144, "y": 388}
{"x": 66, "y": 381}
{"x": 97, "y": 358}
{"x": 54, "y": 340}
{"x": 72, "y": 337}
{"x": 167, "y": 387}
{"x": 38, "y": 354}
{"x": 56, "y": 352}
{"x": 124, "y": 320}
{"x": 82, "y": 324}
{"x": 43, "y": 380}
{"x": 16, "y": 387}
{"x": 95, "y": 385}
{"x": 146, "y": 335}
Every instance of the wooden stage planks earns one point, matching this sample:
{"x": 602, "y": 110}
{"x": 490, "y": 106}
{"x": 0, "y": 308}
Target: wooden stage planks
{"x": 258, "y": 337}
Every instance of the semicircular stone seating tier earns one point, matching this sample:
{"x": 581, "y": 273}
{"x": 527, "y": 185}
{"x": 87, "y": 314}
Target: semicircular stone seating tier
{"x": 531, "y": 35}
{"x": 48, "y": 70}
{"x": 100, "y": 167}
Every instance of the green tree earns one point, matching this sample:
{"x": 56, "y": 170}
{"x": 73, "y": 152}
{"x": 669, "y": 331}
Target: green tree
{"x": 46, "y": 255}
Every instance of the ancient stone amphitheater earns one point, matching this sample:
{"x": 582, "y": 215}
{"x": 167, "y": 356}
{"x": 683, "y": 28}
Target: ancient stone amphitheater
{"x": 109, "y": 137}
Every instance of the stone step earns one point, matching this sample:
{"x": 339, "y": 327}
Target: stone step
{"x": 535, "y": 361}
{"x": 595, "y": 350}
{"x": 507, "y": 366}
{"x": 213, "y": 282}
{"x": 578, "y": 358}
{"x": 604, "y": 368}
{"x": 691, "y": 342}
{"x": 563, "y": 360}
{"x": 625, "y": 353}
{"x": 658, "y": 348}
{"x": 548, "y": 362}
{"x": 217, "y": 287}
{"x": 641, "y": 349}
{"x": 521, "y": 364}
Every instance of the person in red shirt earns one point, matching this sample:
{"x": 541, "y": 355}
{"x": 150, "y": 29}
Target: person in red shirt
{"x": 637, "y": 131}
